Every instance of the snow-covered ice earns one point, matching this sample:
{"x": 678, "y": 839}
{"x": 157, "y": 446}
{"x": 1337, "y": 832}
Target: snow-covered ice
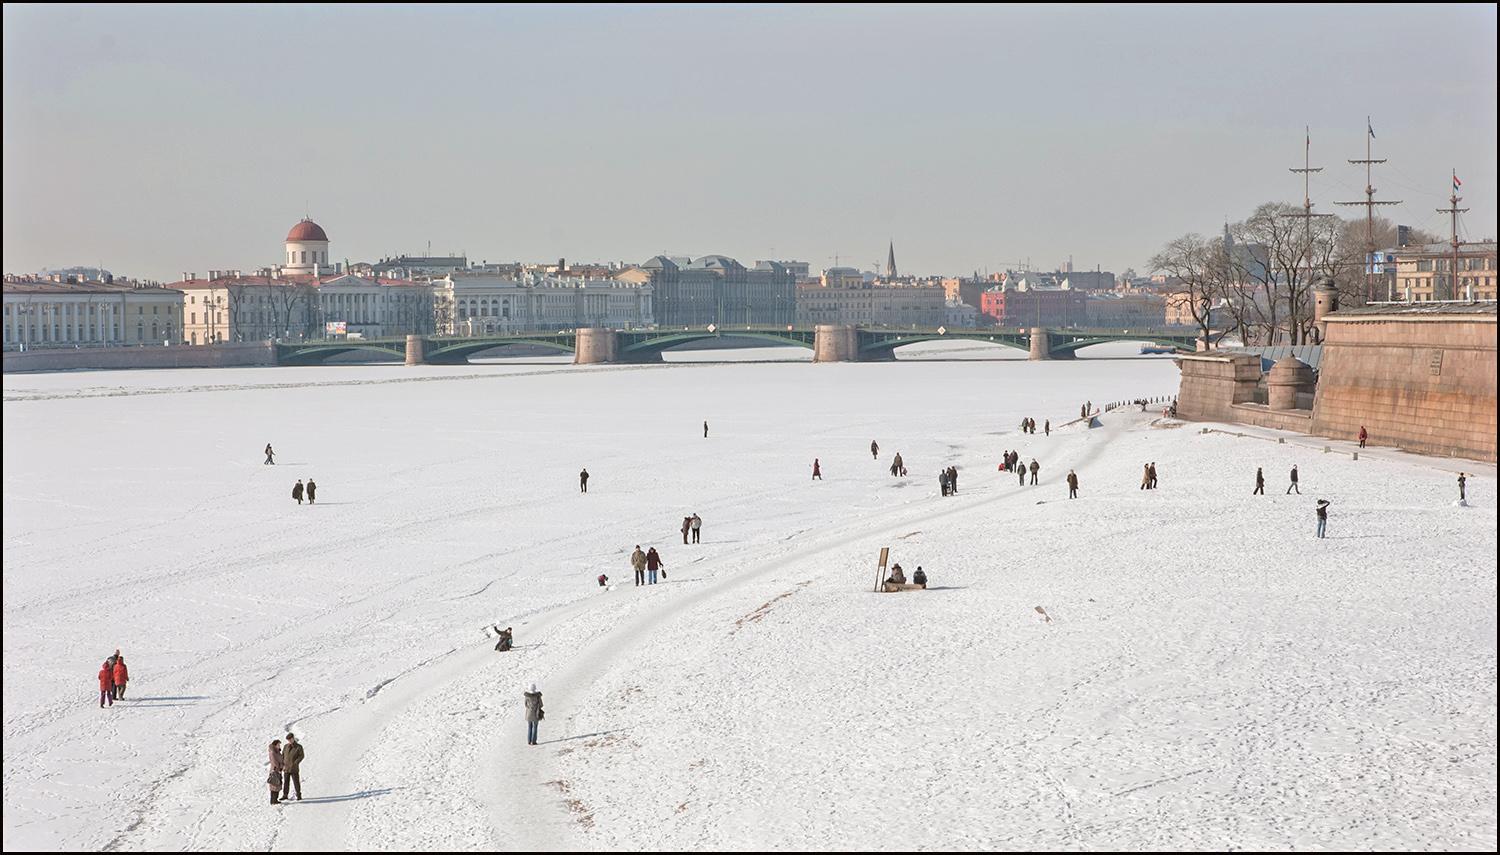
{"x": 1211, "y": 676}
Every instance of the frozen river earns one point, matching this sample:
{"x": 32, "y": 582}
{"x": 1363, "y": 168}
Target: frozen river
{"x": 1211, "y": 676}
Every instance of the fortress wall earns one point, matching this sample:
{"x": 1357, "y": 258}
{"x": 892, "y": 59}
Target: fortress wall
{"x": 223, "y": 355}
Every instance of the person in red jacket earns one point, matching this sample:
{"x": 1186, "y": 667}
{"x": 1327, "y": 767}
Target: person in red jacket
{"x": 122, "y": 677}
{"x": 106, "y": 685}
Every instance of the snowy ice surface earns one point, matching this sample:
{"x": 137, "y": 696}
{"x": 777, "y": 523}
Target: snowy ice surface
{"x": 1211, "y": 676}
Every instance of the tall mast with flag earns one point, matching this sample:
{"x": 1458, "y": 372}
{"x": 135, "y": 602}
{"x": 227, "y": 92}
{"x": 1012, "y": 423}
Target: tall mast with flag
{"x": 1369, "y": 204}
{"x": 1307, "y": 217}
{"x": 1452, "y": 292}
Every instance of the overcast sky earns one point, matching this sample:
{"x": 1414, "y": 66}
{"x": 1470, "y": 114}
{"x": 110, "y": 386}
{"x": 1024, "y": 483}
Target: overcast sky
{"x": 167, "y": 139}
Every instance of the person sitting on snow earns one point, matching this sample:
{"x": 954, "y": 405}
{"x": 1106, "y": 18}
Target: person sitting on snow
{"x": 898, "y": 576}
{"x": 919, "y": 578}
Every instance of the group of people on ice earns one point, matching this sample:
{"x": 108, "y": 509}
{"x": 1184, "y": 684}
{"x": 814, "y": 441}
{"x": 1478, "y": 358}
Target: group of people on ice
{"x": 286, "y": 769}
{"x": 691, "y": 525}
{"x": 112, "y": 679}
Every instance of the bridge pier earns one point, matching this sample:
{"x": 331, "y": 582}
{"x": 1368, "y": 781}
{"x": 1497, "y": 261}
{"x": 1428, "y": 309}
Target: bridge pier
{"x": 593, "y": 346}
{"x": 835, "y": 343}
{"x": 1040, "y": 347}
{"x": 416, "y": 350}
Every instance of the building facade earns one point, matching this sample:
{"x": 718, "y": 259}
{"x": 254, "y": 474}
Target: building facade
{"x": 1425, "y": 273}
{"x": 477, "y": 304}
{"x": 716, "y": 289}
{"x": 49, "y": 313}
{"x": 853, "y": 301}
{"x": 1028, "y": 305}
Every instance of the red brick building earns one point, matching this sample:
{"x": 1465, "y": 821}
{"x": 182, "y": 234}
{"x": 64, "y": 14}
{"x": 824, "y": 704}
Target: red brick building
{"x": 1051, "y": 307}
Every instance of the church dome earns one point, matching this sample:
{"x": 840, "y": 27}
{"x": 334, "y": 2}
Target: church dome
{"x": 305, "y": 231}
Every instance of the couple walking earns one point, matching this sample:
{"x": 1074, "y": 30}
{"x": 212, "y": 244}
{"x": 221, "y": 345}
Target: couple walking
{"x": 691, "y": 524}
{"x": 645, "y": 562}
{"x": 286, "y": 769}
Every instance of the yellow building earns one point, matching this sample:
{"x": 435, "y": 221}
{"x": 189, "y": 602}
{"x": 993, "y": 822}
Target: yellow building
{"x": 65, "y": 312}
{"x": 1424, "y": 273}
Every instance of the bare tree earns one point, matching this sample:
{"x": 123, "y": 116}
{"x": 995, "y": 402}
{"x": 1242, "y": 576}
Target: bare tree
{"x": 1200, "y": 268}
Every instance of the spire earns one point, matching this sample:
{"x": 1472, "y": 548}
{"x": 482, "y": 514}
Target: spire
{"x": 890, "y": 262}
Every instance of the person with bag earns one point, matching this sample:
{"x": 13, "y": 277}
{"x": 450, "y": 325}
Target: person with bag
{"x": 277, "y": 767}
{"x": 534, "y": 713}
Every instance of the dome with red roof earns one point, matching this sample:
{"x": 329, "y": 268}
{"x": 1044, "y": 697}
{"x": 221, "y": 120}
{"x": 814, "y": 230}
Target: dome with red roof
{"x": 306, "y": 230}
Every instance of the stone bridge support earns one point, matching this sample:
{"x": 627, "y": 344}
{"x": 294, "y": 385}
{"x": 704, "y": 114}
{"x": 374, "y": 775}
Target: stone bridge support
{"x": 835, "y": 343}
{"x": 1040, "y": 347}
{"x": 416, "y": 350}
{"x": 593, "y": 346}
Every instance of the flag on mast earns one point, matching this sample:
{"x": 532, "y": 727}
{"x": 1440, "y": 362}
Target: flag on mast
{"x": 1456, "y": 182}
{"x": 1369, "y": 127}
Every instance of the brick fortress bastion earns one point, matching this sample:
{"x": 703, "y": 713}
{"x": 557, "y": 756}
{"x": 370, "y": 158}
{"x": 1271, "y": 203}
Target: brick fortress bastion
{"x": 1416, "y": 376}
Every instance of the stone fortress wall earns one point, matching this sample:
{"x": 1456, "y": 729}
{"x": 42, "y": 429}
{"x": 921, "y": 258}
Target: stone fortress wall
{"x": 1416, "y": 377}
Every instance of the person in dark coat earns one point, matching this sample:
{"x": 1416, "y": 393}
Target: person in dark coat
{"x": 1020, "y": 476}
{"x": 1322, "y": 512}
{"x": 277, "y": 766}
{"x": 269, "y": 454}
{"x": 896, "y": 464}
{"x": 534, "y": 713}
{"x": 1461, "y": 482}
{"x": 943, "y": 482}
{"x": 705, "y": 430}
{"x": 1146, "y": 478}
{"x": 291, "y": 761}
{"x": 1294, "y": 482}
{"x": 653, "y": 562}
{"x": 687, "y": 525}
{"x": 1035, "y": 468}
{"x": 106, "y": 685}
{"x": 297, "y": 491}
{"x": 874, "y": 449}
{"x": 583, "y": 481}
{"x": 312, "y": 491}
{"x": 953, "y": 480}
{"x": 1260, "y": 482}
{"x": 1072, "y": 484}
{"x": 1047, "y": 427}
{"x": 697, "y": 526}
{"x": 603, "y": 580}
{"x": 1151, "y": 473}
{"x": 817, "y": 472}
{"x": 122, "y": 676}
{"x": 506, "y": 639}
{"x": 919, "y": 578}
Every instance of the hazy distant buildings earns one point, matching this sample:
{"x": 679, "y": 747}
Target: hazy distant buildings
{"x": 717, "y": 289}
{"x": 1034, "y": 300}
{"x": 848, "y": 299}
{"x": 483, "y": 304}
{"x": 1122, "y": 310}
{"x": 68, "y": 312}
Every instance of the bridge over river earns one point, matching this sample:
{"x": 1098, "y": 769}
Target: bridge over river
{"x": 828, "y": 342}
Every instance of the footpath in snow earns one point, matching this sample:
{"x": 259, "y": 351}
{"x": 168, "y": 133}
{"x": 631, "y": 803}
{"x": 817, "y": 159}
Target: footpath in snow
{"x": 1207, "y": 673}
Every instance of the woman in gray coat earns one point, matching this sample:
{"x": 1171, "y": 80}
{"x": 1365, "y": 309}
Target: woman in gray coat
{"x": 534, "y": 713}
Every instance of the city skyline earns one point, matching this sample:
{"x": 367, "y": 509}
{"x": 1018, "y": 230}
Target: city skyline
{"x": 152, "y": 141}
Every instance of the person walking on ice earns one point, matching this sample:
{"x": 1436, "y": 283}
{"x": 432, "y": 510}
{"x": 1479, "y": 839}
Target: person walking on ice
{"x": 291, "y": 762}
{"x": 122, "y": 676}
{"x": 705, "y": 430}
{"x": 312, "y": 492}
{"x": 106, "y": 685}
{"x": 638, "y": 561}
{"x": 1461, "y": 482}
{"x": 1047, "y": 427}
{"x": 687, "y": 525}
{"x": 583, "y": 481}
{"x": 269, "y": 455}
{"x": 1293, "y": 485}
{"x": 697, "y": 526}
{"x": 1035, "y": 468}
{"x": 874, "y": 450}
{"x": 534, "y": 713}
{"x": 297, "y": 491}
{"x": 277, "y": 765}
{"x": 1072, "y": 485}
{"x": 817, "y": 473}
{"x": 897, "y": 465}
{"x": 1322, "y": 512}
{"x": 1260, "y": 482}
{"x": 653, "y": 563}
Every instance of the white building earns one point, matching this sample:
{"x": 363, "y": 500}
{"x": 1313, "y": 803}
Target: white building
{"x": 467, "y": 304}
{"x": 50, "y": 313}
